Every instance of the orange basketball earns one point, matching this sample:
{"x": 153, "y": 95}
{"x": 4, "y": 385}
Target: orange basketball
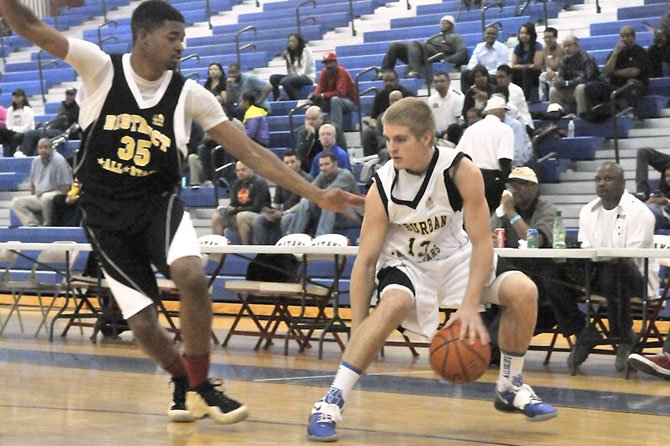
{"x": 455, "y": 359}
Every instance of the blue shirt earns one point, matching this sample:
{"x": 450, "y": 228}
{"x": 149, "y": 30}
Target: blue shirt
{"x": 524, "y": 56}
{"x": 340, "y": 154}
{"x": 50, "y": 176}
{"x": 249, "y": 84}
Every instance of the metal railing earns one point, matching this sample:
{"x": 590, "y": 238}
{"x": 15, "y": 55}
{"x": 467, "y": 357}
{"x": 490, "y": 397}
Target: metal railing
{"x": 485, "y": 8}
{"x": 58, "y": 11}
{"x": 359, "y": 93}
{"x": 291, "y": 127}
{"x": 208, "y": 12}
{"x": 298, "y": 20}
{"x": 351, "y": 17}
{"x": 239, "y": 49}
{"x": 615, "y": 118}
{"x": 189, "y": 57}
{"x": 102, "y": 40}
{"x": 104, "y": 10}
{"x": 41, "y": 65}
{"x": 519, "y": 11}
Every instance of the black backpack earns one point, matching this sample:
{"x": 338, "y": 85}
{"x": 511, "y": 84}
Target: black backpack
{"x": 273, "y": 268}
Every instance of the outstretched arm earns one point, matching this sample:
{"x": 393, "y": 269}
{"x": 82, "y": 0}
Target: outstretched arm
{"x": 268, "y": 165}
{"x": 24, "y": 22}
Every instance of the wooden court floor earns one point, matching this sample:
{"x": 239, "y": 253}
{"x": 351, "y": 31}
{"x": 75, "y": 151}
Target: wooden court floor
{"x": 73, "y": 392}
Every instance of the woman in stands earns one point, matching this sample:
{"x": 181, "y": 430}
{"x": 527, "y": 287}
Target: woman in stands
{"x": 216, "y": 82}
{"x": 20, "y": 119}
{"x": 300, "y": 69}
{"x": 659, "y": 201}
{"x": 477, "y": 95}
{"x": 527, "y": 59}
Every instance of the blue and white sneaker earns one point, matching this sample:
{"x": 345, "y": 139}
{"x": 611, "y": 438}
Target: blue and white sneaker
{"x": 322, "y": 421}
{"x": 521, "y": 398}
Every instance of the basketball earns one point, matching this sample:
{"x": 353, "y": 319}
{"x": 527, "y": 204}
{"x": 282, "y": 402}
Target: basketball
{"x": 455, "y": 359}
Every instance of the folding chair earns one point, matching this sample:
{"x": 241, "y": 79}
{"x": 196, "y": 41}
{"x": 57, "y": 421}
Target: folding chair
{"x": 319, "y": 291}
{"x": 7, "y": 259}
{"x": 276, "y": 294}
{"x": 50, "y": 275}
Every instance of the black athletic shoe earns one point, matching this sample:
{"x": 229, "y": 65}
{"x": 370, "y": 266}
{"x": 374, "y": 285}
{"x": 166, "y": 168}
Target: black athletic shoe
{"x": 207, "y": 400}
{"x": 178, "y": 411}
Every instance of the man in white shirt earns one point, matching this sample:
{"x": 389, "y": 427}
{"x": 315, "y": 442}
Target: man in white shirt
{"x": 446, "y": 103}
{"x": 489, "y": 53}
{"x": 616, "y": 219}
{"x": 490, "y": 145}
{"x": 516, "y": 96}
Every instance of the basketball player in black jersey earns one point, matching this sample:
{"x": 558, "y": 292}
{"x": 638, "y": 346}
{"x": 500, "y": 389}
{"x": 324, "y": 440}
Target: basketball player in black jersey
{"x": 135, "y": 110}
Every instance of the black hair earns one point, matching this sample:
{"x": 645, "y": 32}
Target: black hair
{"x": 152, "y": 14}
{"x": 663, "y": 186}
{"x": 25, "y": 102}
{"x": 222, "y": 82}
{"x": 330, "y": 156}
{"x": 290, "y": 153}
{"x": 296, "y": 54}
{"x": 501, "y": 90}
{"x": 481, "y": 69}
{"x": 250, "y": 98}
{"x": 441, "y": 73}
{"x": 506, "y": 68}
{"x": 549, "y": 29}
{"x": 530, "y": 29}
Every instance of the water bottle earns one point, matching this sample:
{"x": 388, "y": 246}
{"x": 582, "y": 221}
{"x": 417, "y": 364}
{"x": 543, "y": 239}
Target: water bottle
{"x": 571, "y": 128}
{"x": 559, "y": 232}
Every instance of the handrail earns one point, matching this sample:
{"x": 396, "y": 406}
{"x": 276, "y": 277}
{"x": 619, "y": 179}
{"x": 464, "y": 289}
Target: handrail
{"x": 290, "y": 121}
{"x": 409, "y": 7}
{"x": 309, "y": 17}
{"x": 237, "y": 43}
{"x": 208, "y": 12}
{"x": 429, "y": 69}
{"x": 189, "y": 57}
{"x": 360, "y": 117}
{"x": 538, "y": 137}
{"x": 194, "y": 75}
{"x": 351, "y": 17}
{"x": 110, "y": 23}
{"x": 215, "y": 180}
{"x": 41, "y": 66}
{"x": 519, "y": 12}
{"x": 297, "y": 13}
{"x": 104, "y": 10}
{"x": 105, "y": 39}
{"x": 485, "y": 8}
{"x": 57, "y": 14}
{"x": 358, "y": 94}
{"x": 615, "y": 119}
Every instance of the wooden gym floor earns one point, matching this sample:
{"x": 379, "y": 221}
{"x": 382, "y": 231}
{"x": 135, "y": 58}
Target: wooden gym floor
{"x": 73, "y": 392}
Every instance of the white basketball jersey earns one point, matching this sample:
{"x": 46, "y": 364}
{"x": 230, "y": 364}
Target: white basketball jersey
{"x": 425, "y": 212}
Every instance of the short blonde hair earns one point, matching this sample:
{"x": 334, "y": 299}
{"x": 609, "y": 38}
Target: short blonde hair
{"x": 412, "y": 113}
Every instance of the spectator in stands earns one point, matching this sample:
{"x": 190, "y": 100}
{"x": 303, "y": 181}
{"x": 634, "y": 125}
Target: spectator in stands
{"x": 522, "y": 144}
{"x": 328, "y": 142}
{"x": 216, "y": 82}
{"x": 308, "y": 137}
{"x": 68, "y": 114}
{"x": 238, "y": 84}
{"x": 659, "y": 55}
{"x": 490, "y": 53}
{"x": 300, "y": 69}
{"x": 249, "y": 194}
{"x": 20, "y": 119}
{"x": 446, "y": 103}
{"x": 522, "y": 209}
{"x": 416, "y": 54}
{"x": 490, "y": 145}
{"x": 3, "y": 116}
{"x": 308, "y": 215}
{"x": 659, "y": 200}
{"x": 551, "y": 57}
{"x": 473, "y": 115}
{"x": 273, "y": 222}
{"x": 526, "y": 59}
{"x": 336, "y": 90}
{"x": 628, "y": 64}
{"x": 65, "y": 211}
{"x": 200, "y": 161}
{"x": 616, "y": 219}
{"x": 576, "y": 68}
{"x": 379, "y": 105}
{"x": 255, "y": 120}
{"x": 657, "y": 365}
{"x": 516, "y": 95}
{"x": 50, "y": 175}
{"x": 480, "y": 91}
{"x": 373, "y": 138}
{"x": 647, "y": 156}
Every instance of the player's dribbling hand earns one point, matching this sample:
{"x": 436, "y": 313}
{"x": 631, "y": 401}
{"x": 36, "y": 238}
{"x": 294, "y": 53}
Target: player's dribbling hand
{"x": 340, "y": 201}
{"x": 472, "y": 326}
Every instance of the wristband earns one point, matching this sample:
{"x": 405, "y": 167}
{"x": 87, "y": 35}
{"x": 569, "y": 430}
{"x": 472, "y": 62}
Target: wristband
{"x": 514, "y": 219}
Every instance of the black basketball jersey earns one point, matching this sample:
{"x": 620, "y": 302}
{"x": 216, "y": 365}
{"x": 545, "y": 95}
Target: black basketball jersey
{"x": 130, "y": 152}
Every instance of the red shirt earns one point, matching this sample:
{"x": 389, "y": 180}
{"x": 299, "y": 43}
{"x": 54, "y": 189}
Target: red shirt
{"x": 336, "y": 84}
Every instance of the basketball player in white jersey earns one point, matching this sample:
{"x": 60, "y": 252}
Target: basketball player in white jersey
{"x": 413, "y": 242}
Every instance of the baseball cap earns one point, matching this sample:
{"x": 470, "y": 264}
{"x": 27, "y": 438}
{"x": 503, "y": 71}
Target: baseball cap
{"x": 328, "y": 57}
{"x": 71, "y": 91}
{"x": 554, "y": 107}
{"x": 449, "y": 18}
{"x": 19, "y": 92}
{"x": 494, "y": 102}
{"x": 523, "y": 173}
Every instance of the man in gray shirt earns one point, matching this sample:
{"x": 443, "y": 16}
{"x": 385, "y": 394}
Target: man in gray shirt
{"x": 308, "y": 213}
{"x": 50, "y": 175}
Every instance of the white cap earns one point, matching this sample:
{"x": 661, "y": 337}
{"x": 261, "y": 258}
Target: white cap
{"x": 554, "y": 107}
{"x": 450, "y": 19}
{"x": 494, "y": 102}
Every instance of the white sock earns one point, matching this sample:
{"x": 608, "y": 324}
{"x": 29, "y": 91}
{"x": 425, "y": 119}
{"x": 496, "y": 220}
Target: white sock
{"x": 511, "y": 365}
{"x": 346, "y": 377}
